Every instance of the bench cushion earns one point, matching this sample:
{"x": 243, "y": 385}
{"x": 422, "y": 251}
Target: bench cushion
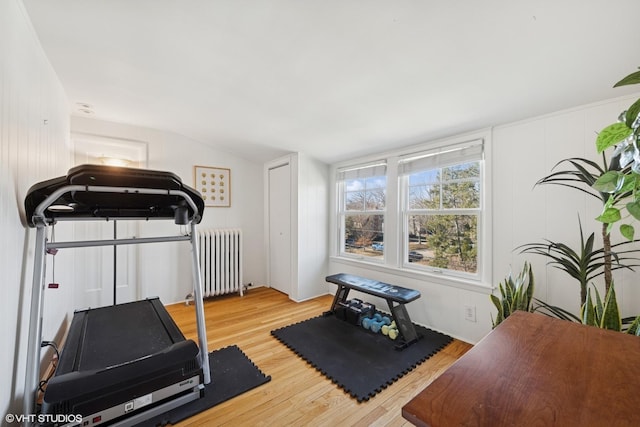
{"x": 373, "y": 287}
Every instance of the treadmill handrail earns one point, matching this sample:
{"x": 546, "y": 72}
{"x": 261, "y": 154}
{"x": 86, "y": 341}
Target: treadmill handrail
{"x": 115, "y": 242}
{"x": 39, "y": 215}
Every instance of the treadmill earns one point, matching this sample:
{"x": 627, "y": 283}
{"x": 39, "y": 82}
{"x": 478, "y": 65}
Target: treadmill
{"x": 125, "y": 363}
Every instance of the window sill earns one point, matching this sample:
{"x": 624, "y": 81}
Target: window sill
{"x": 440, "y": 279}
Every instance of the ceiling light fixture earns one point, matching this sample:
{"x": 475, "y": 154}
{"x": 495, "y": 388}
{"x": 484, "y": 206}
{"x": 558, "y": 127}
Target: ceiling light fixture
{"x": 114, "y": 161}
{"x": 84, "y": 108}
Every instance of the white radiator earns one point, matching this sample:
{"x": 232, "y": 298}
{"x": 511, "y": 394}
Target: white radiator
{"x": 221, "y": 261}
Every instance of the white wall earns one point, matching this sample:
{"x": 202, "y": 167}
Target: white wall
{"x": 34, "y": 136}
{"x": 313, "y": 221}
{"x": 521, "y": 154}
{"x": 165, "y": 269}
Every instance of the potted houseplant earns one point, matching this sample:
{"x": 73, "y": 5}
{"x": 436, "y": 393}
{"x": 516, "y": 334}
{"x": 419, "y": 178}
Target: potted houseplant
{"x": 622, "y": 184}
{"x": 515, "y": 294}
{"x": 616, "y": 183}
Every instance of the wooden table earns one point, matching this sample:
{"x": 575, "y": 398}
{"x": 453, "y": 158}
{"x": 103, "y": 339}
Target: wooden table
{"x": 537, "y": 370}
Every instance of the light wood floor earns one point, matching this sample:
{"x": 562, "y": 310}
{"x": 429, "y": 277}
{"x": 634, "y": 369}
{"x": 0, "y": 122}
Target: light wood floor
{"x": 297, "y": 394}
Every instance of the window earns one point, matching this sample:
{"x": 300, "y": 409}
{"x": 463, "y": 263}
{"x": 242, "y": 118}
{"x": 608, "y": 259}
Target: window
{"x": 442, "y": 208}
{"x": 362, "y": 210}
{"x": 420, "y": 212}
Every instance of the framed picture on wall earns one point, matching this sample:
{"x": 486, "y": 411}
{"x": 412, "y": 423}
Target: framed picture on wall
{"x": 214, "y": 184}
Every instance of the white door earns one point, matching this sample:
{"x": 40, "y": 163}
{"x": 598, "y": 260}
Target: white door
{"x": 126, "y": 267}
{"x": 95, "y": 268}
{"x": 280, "y": 228}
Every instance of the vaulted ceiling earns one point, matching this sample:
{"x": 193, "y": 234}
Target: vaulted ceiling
{"x": 333, "y": 78}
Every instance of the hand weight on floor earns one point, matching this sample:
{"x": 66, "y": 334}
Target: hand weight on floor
{"x": 377, "y": 325}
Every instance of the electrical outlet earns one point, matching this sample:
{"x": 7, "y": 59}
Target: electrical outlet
{"x": 470, "y": 313}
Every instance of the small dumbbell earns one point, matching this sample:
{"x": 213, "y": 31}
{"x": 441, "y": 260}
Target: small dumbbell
{"x": 377, "y": 325}
{"x": 393, "y": 333}
{"x": 366, "y": 322}
{"x": 386, "y": 328}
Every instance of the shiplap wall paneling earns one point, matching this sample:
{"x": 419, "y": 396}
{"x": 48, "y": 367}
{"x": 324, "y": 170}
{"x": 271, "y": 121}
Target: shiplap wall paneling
{"x": 34, "y": 145}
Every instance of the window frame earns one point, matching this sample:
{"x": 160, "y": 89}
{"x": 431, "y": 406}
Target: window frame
{"x": 394, "y": 232}
{"x": 343, "y": 212}
{"x": 407, "y": 212}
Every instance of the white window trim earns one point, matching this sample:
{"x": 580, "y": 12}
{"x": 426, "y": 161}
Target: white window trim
{"x": 403, "y": 185}
{"x": 393, "y": 254}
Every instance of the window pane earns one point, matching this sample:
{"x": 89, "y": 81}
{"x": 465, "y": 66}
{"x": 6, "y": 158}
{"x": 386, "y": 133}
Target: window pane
{"x": 461, "y": 195}
{"x": 461, "y": 186}
{"x": 354, "y": 200}
{"x": 365, "y": 194}
{"x": 364, "y": 235}
{"x": 464, "y": 170}
{"x": 424, "y": 197}
{"x": 375, "y": 199}
{"x": 444, "y": 241}
{"x": 425, "y": 177}
{"x": 376, "y": 182}
{"x": 354, "y": 185}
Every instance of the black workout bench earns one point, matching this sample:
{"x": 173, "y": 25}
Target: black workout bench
{"x": 392, "y": 294}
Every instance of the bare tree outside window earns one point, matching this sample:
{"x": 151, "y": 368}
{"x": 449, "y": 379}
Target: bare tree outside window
{"x": 364, "y": 206}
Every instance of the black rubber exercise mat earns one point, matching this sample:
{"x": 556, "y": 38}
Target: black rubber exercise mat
{"x": 357, "y": 360}
{"x": 232, "y": 373}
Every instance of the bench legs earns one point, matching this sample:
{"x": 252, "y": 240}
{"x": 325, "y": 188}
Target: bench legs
{"x": 341, "y": 296}
{"x": 405, "y": 325}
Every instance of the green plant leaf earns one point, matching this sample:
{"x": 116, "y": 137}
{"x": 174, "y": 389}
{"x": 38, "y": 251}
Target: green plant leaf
{"x": 611, "y": 315}
{"x": 634, "y": 209}
{"x": 609, "y": 216}
{"x": 611, "y": 135}
{"x": 632, "y": 113}
{"x": 627, "y": 231}
{"x": 500, "y": 317}
{"x": 631, "y": 79}
{"x": 555, "y": 311}
{"x": 581, "y": 177}
{"x": 529, "y": 293}
{"x": 634, "y": 329}
{"x": 515, "y": 294}
{"x": 610, "y": 182}
{"x": 611, "y": 201}
{"x": 508, "y": 287}
{"x": 599, "y": 308}
{"x": 588, "y": 312}
{"x": 496, "y": 301}
{"x": 630, "y": 181}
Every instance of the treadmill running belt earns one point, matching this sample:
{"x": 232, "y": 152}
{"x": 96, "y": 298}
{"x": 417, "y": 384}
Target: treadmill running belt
{"x": 114, "y": 356}
{"x": 113, "y": 335}
{"x": 111, "y": 339}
